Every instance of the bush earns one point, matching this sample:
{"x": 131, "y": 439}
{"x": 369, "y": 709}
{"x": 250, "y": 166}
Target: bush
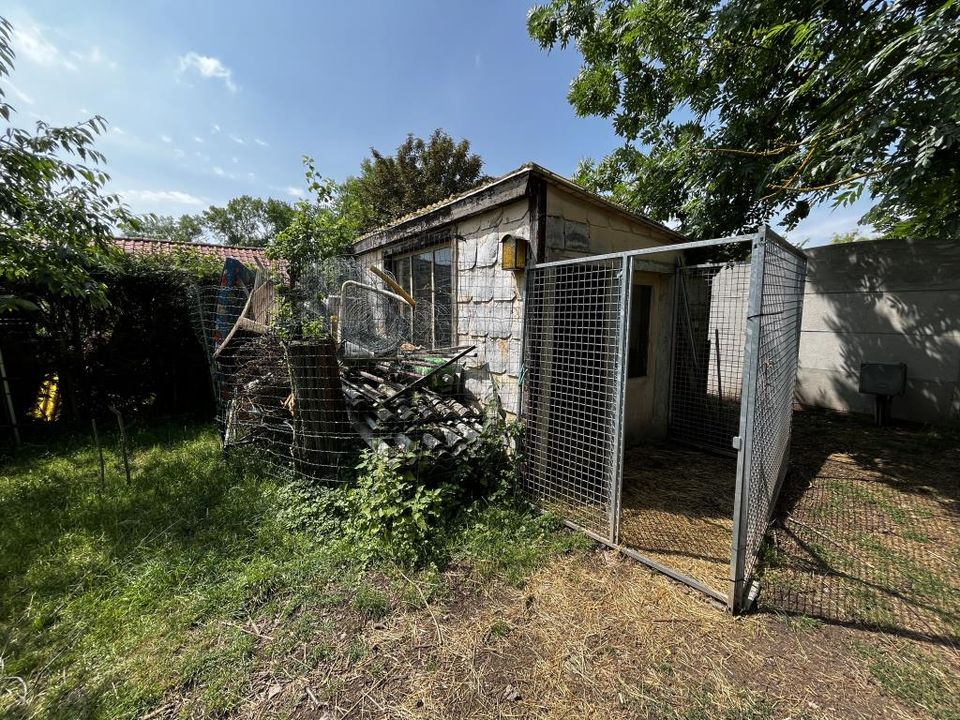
{"x": 390, "y": 513}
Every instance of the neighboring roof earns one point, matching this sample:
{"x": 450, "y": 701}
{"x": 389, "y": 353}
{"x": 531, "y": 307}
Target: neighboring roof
{"x": 254, "y": 257}
{"x": 507, "y": 187}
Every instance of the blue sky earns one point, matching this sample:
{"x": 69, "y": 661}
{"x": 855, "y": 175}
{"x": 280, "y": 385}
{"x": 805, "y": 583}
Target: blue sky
{"x": 210, "y": 100}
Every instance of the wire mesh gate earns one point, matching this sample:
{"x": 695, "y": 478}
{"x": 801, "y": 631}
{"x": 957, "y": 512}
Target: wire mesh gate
{"x": 734, "y": 334}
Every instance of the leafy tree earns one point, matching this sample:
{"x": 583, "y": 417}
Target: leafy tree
{"x": 55, "y": 220}
{"x": 186, "y": 228}
{"x": 735, "y": 111}
{"x": 318, "y": 230}
{"x": 247, "y": 220}
{"x": 420, "y": 173}
{"x": 847, "y": 237}
{"x": 244, "y": 220}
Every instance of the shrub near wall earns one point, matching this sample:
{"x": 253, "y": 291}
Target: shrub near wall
{"x": 140, "y": 353}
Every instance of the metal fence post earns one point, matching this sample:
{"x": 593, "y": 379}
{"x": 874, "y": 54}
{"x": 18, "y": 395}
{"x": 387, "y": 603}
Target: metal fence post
{"x": 744, "y": 441}
{"x": 623, "y": 348}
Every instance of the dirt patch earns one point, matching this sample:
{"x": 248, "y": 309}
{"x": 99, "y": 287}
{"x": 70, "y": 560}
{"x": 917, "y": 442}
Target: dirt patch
{"x": 598, "y": 636}
{"x": 677, "y": 508}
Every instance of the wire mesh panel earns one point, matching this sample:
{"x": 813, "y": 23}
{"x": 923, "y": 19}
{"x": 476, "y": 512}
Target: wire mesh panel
{"x": 773, "y": 337}
{"x": 710, "y": 318}
{"x": 312, "y": 375}
{"x": 573, "y": 390}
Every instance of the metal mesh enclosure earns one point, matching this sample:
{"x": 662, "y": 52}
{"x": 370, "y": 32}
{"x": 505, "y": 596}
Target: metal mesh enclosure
{"x": 639, "y": 350}
{"x": 573, "y": 363}
{"x": 350, "y": 381}
{"x": 710, "y": 324}
{"x": 776, "y": 307}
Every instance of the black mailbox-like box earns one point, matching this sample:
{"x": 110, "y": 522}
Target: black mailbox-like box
{"x": 883, "y": 378}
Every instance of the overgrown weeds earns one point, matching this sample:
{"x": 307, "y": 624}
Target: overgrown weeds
{"x": 202, "y": 574}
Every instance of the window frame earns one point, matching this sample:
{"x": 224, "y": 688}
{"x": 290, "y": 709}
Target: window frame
{"x": 392, "y": 264}
{"x": 641, "y": 295}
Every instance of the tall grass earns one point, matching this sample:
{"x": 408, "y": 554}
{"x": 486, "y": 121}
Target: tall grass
{"x": 185, "y": 584}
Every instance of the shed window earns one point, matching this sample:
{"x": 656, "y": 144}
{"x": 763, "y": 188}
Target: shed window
{"x": 639, "y": 349}
{"x": 427, "y": 276}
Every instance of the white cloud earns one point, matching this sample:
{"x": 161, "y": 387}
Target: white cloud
{"x": 18, "y": 93}
{"x": 261, "y": 143}
{"x": 29, "y": 43}
{"x": 198, "y": 139}
{"x": 118, "y": 130}
{"x": 215, "y": 128}
{"x": 294, "y": 191}
{"x": 177, "y": 197}
{"x": 166, "y": 138}
{"x": 177, "y": 152}
{"x": 94, "y": 56}
{"x": 237, "y": 139}
{"x": 236, "y": 159}
{"x": 217, "y": 170}
{"x": 208, "y": 67}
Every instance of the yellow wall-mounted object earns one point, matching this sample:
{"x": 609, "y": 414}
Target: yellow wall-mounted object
{"x": 513, "y": 254}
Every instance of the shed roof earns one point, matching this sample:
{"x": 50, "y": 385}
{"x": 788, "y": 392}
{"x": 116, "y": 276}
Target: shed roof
{"x": 507, "y": 187}
{"x": 251, "y": 256}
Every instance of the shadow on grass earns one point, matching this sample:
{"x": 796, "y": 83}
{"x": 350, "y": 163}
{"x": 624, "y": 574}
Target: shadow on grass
{"x": 866, "y": 531}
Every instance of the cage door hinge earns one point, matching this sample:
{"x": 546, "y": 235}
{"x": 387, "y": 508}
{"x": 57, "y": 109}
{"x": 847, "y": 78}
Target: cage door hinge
{"x": 736, "y": 442}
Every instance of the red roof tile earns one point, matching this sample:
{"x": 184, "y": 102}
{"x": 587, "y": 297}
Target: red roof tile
{"x": 254, "y": 257}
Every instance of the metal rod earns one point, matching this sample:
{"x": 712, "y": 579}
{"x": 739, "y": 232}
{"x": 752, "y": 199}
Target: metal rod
{"x": 623, "y": 347}
{"x": 658, "y": 249}
{"x": 748, "y": 392}
{"x": 417, "y": 383}
{"x": 96, "y": 440}
{"x": 394, "y": 285}
{"x": 123, "y": 442}
{"x": 716, "y": 349}
{"x": 9, "y": 401}
{"x": 650, "y": 562}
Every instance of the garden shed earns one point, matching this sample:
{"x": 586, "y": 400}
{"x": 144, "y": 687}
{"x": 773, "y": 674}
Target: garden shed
{"x": 655, "y": 376}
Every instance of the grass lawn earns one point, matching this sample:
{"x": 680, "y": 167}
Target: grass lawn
{"x": 203, "y": 589}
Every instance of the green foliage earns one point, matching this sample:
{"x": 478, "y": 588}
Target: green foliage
{"x": 390, "y": 513}
{"x": 184, "y": 229}
{"x": 55, "y": 220}
{"x": 244, "y": 220}
{"x": 200, "y": 578}
{"x": 847, "y": 237}
{"x": 915, "y": 678}
{"x": 509, "y": 541}
{"x": 137, "y": 351}
{"x": 734, "y": 112}
{"x": 420, "y": 173}
{"x": 247, "y": 220}
{"x": 318, "y": 230}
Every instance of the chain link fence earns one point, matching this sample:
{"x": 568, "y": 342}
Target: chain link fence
{"x": 336, "y": 367}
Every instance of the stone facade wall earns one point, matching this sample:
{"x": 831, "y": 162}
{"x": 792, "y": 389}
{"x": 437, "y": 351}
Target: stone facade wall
{"x": 489, "y": 301}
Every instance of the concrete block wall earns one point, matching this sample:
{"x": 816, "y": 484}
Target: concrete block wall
{"x": 883, "y": 301}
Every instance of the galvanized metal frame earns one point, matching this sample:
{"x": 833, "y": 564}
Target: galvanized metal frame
{"x": 744, "y": 444}
{"x": 737, "y": 594}
{"x": 626, "y": 290}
